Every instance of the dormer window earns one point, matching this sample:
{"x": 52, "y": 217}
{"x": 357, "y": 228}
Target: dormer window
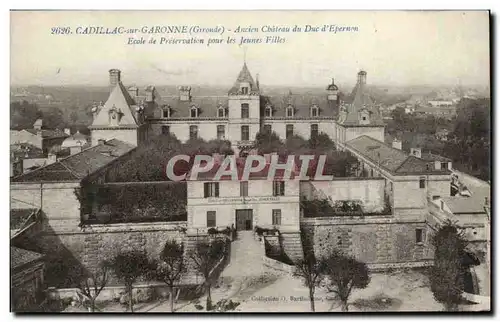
{"x": 364, "y": 116}
{"x": 166, "y": 112}
{"x": 194, "y": 111}
{"x": 244, "y": 90}
{"x": 221, "y": 111}
{"x": 268, "y": 111}
{"x": 290, "y": 111}
{"x": 314, "y": 111}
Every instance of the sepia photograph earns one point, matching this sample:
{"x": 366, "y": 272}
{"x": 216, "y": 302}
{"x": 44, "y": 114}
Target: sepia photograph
{"x": 250, "y": 161}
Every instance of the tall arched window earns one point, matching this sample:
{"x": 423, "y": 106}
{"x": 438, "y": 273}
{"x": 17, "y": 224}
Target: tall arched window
{"x": 221, "y": 111}
{"x": 268, "y": 111}
{"x": 314, "y": 111}
{"x": 290, "y": 111}
{"x": 166, "y": 111}
{"x": 194, "y": 111}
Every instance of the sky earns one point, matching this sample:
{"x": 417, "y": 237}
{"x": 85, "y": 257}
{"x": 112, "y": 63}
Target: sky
{"x": 398, "y": 48}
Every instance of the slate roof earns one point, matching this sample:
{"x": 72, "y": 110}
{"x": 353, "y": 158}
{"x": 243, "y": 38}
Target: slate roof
{"x": 120, "y": 99}
{"x": 18, "y": 216}
{"x": 20, "y": 257}
{"x": 48, "y": 134}
{"x": 394, "y": 160}
{"x": 77, "y": 166}
{"x": 244, "y": 76}
{"x": 207, "y": 106}
{"x": 25, "y": 151}
{"x": 301, "y": 103}
{"x": 362, "y": 100}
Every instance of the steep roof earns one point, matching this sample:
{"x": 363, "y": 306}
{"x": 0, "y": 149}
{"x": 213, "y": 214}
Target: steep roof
{"x": 77, "y": 166}
{"x": 20, "y": 257}
{"x": 207, "y": 106}
{"x": 362, "y": 100}
{"x": 394, "y": 160}
{"x": 244, "y": 76}
{"x": 301, "y": 104}
{"x": 120, "y": 99}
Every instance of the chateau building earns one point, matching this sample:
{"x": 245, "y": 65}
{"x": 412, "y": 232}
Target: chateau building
{"x": 393, "y": 190}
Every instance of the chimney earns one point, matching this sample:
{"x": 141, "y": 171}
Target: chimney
{"x": 114, "y": 77}
{"x": 150, "y": 93}
{"x": 67, "y": 131}
{"x": 52, "y": 158}
{"x": 396, "y": 144}
{"x": 133, "y": 91}
{"x": 101, "y": 142}
{"x": 185, "y": 93}
{"x": 416, "y": 152}
{"x": 362, "y": 77}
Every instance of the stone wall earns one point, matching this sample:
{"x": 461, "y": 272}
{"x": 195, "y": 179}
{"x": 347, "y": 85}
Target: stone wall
{"x": 70, "y": 251}
{"x": 371, "y": 240}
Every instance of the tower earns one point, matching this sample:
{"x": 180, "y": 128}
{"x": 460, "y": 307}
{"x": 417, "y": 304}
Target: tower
{"x": 120, "y": 117}
{"x": 244, "y": 110}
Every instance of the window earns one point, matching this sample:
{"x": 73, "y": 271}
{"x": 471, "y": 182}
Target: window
{"x": 276, "y": 217}
{"x": 193, "y": 132}
{"x": 221, "y": 132}
{"x": 244, "y": 189}
{"x": 314, "y": 130}
{"x": 444, "y": 165}
{"x": 419, "y": 236}
{"x": 422, "y": 183}
{"x": 194, "y": 111}
{"x": 211, "y": 219}
{"x": 267, "y": 128}
{"x": 278, "y": 188}
{"x": 314, "y": 111}
{"x": 268, "y": 111}
{"x": 221, "y": 112}
{"x": 166, "y": 112}
{"x": 245, "y": 133}
{"x": 289, "y": 111}
{"x": 244, "y": 90}
{"x": 165, "y": 129}
{"x": 211, "y": 189}
{"x": 289, "y": 130}
{"x": 364, "y": 118}
{"x": 245, "y": 113}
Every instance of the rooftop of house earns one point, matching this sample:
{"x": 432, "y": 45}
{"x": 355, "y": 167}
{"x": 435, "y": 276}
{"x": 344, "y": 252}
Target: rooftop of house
{"x": 394, "y": 160}
{"x": 120, "y": 100}
{"x": 20, "y": 257}
{"x": 25, "y": 151}
{"x": 47, "y": 133}
{"x": 480, "y": 194}
{"x": 19, "y": 216}
{"x": 78, "y": 166}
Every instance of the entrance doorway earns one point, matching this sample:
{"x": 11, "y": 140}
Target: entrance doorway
{"x": 244, "y": 219}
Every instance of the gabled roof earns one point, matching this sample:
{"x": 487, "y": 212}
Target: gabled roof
{"x": 244, "y": 76}
{"x": 394, "y": 160}
{"x": 77, "y": 166}
{"x": 20, "y": 257}
{"x": 120, "y": 99}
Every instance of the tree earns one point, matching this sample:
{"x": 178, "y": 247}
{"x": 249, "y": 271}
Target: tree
{"x": 204, "y": 257}
{"x": 94, "y": 282}
{"x": 171, "y": 268}
{"x": 128, "y": 267}
{"x": 268, "y": 142}
{"x": 345, "y": 273}
{"x": 321, "y": 142}
{"x": 311, "y": 271}
{"x": 446, "y": 276}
